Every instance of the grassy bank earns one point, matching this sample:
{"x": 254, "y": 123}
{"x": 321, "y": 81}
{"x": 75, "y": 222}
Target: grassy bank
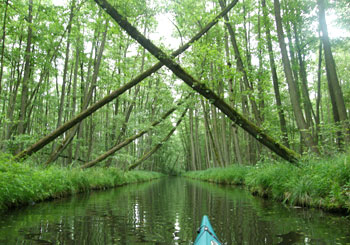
{"x": 316, "y": 183}
{"x": 22, "y": 184}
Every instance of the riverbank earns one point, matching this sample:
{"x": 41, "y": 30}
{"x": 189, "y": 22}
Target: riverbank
{"x": 24, "y": 184}
{"x": 322, "y": 183}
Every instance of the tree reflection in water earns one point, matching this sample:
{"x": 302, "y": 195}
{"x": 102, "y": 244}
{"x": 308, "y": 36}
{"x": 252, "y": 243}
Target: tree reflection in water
{"x": 169, "y": 211}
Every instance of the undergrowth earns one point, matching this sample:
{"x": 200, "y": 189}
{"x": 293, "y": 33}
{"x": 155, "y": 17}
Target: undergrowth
{"x": 322, "y": 183}
{"x": 22, "y": 184}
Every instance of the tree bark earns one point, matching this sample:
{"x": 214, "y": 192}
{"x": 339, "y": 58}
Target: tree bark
{"x": 236, "y": 117}
{"x": 85, "y": 113}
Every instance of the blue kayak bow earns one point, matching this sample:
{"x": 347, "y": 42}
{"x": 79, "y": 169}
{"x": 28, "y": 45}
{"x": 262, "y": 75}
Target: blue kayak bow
{"x": 206, "y": 234}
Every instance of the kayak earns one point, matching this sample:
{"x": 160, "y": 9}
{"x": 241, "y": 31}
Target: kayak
{"x": 206, "y": 234}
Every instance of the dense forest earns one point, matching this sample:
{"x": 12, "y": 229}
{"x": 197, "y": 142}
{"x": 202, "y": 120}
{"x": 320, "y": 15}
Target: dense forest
{"x": 77, "y": 90}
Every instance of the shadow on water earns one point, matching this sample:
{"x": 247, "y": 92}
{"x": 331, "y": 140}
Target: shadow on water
{"x": 168, "y": 211}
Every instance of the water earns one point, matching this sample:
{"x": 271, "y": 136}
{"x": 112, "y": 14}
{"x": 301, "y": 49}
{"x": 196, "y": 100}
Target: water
{"x": 169, "y": 211}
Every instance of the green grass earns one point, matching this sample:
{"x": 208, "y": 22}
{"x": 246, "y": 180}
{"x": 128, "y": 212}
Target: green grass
{"x": 233, "y": 175}
{"x": 322, "y": 183}
{"x": 22, "y": 184}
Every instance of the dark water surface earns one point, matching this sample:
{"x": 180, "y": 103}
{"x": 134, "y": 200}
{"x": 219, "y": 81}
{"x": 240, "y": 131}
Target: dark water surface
{"x": 168, "y": 211}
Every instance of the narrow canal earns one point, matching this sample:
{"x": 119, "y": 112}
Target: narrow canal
{"x": 168, "y": 211}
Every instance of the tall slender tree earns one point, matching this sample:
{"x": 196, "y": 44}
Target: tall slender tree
{"x": 274, "y": 76}
{"x": 293, "y": 89}
{"x": 26, "y": 75}
{"x": 335, "y": 92}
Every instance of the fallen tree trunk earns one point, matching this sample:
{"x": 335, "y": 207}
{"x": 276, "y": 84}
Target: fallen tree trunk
{"x": 69, "y": 138}
{"x": 257, "y": 132}
{"x": 85, "y": 113}
{"x": 154, "y": 149}
{"x": 130, "y": 139}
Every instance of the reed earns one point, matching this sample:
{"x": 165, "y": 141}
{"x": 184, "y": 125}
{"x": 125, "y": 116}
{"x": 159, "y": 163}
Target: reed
{"x": 321, "y": 183}
{"x": 23, "y": 184}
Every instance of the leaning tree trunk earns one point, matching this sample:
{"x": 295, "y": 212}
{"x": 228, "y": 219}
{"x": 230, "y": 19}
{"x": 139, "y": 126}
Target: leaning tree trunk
{"x": 154, "y": 149}
{"x": 68, "y": 139}
{"x": 130, "y": 139}
{"x": 236, "y": 117}
{"x": 85, "y": 113}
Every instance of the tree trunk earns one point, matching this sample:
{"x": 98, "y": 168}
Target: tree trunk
{"x": 293, "y": 90}
{"x": 240, "y": 66}
{"x": 280, "y": 110}
{"x": 336, "y": 94}
{"x": 65, "y": 69}
{"x": 319, "y": 93}
{"x": 68, "y": 139}
{"x": 309, "y": 112}
{"x": 130, "y": 139}
{"x": 160, "y": 144}
{"x": 261, "y": 94}
{"x": 233, "y": 130}
{"x": 197, "y": 144}
{"x": 216, "y": 139}
{"x": 193, "y": 152}
{"x": 8, "y": 129}
{"x": 225, "y": 140}
{"x": 26, "y": 76}
{"x": 75, "y": 85}
{"x": 236, "y": 145}
{"x": 3, "y": 44}
{"x": 132, "y": 105}
{"x": 211, "y": 138}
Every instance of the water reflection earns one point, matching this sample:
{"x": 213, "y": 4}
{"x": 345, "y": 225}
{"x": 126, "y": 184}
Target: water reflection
{"x": 169, "y": 211}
